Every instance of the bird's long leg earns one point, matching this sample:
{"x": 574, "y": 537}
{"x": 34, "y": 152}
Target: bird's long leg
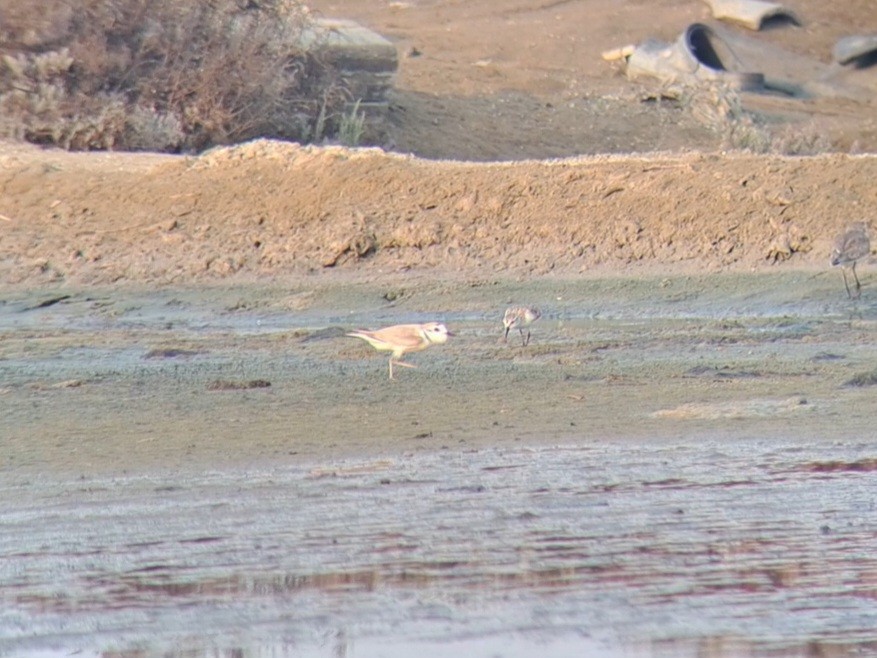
{"x": 856, "y": 277}
{"x": 506, "y": 337}
{"x": 527, "y": 342}
{"x": 843, "y": 271}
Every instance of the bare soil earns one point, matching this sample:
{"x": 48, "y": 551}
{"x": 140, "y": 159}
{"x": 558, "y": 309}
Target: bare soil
{"x": 267, "y": 209}
{"x": 478, "y": 81}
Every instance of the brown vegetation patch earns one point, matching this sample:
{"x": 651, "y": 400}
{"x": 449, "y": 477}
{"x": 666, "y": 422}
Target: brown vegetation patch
{"x": 159, "y": 75}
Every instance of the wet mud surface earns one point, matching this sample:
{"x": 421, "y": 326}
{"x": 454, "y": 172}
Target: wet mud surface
{"x": 614, "y": 549}
{"x": 673, "y": 466}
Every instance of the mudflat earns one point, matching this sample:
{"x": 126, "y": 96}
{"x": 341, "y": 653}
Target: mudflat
{"x": 114, "y": 380}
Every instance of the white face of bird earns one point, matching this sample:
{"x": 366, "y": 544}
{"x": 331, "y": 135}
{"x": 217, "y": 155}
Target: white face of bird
{"x": 436, "y": 332}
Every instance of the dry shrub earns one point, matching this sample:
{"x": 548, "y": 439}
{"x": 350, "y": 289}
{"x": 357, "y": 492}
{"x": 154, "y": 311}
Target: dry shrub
{"x": 721, "y": 109}
{"x": 160, "y": 74}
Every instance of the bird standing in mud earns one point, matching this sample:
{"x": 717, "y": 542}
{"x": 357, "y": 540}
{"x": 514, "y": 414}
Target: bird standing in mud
{"x": 850, "y": 246}
{"x": 403, "y": 338}
{"x": 518, "y": 317}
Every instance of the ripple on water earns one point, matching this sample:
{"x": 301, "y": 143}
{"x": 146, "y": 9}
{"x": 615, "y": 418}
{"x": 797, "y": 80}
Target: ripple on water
{"x": 743, "y": 548}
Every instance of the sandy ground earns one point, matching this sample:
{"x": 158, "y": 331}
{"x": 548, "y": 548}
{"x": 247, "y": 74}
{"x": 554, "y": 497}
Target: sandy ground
{"x": 516, "y": 79}
{"x": 272, "y": 210}
{"x": 479, "y": 81}
{"x": 645, "y": 263}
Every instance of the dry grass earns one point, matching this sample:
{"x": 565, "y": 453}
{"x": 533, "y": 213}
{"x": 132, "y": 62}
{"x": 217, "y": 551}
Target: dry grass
{"x": 721, "y": 109}
{"x": 159, "y": 74}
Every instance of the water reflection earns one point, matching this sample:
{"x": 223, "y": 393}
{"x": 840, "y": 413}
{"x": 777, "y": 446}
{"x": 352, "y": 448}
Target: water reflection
{"x": 734, "y": 549}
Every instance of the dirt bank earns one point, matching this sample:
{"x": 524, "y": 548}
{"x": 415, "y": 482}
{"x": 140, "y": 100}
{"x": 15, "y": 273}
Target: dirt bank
{"x": 273, "y": 209}
{"x": 482, "y": 80}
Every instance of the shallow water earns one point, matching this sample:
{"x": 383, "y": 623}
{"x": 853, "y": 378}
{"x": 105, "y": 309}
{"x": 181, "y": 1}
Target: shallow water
{"x": 697, "y": 548}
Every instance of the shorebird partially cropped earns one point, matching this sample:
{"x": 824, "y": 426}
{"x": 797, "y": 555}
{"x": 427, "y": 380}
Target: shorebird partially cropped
{"x": 518, "y": 317}
{"x": 403, "y": 338}
{"x": 850, "y": 246}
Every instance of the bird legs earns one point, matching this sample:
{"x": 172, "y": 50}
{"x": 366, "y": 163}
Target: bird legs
{"x": 847, "y": 285}
{"x": 524, "y": 341}
{"x": 399, "y": 363}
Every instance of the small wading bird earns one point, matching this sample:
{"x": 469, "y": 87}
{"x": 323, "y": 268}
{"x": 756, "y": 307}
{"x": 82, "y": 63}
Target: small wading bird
{"x": 850, "y": 246}
{"x": 403, "y": 338}
{"x": 518, "y": 317}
